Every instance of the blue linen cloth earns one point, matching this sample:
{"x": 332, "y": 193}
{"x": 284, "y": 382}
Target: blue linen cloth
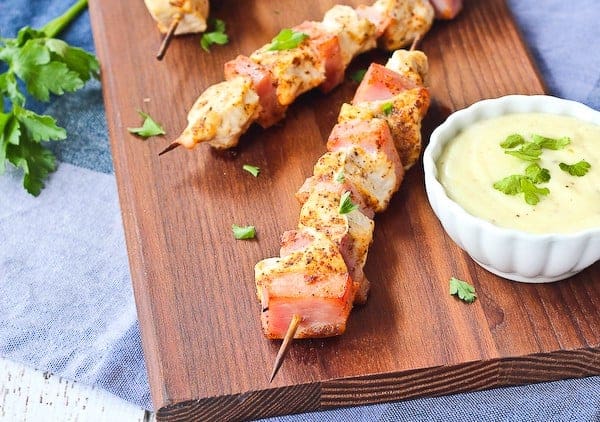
{"x": 66, "y": 303}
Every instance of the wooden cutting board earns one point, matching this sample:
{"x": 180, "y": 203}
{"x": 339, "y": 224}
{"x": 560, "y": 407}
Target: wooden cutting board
{"x": 194, "y": 284}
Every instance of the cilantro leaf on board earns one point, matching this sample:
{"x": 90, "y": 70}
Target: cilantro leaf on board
{"x": 243, "y": 232}
{"x": 149, "y": 127}
{"x": 45, "y": 65}
{"x": 217, "y": 36}
{"x": 253, "y": 170}
{"x": 578, "y": 169}
{"x": 462, "y": 289}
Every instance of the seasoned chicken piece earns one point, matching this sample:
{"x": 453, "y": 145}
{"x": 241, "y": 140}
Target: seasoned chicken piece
{"x": 310, "y": 279}
{"x": 394, "y": 93}
{"x": 446, "y": 9}
{"x": 403, "y": 20}
{"x": 192, "y": 14}
{"x": 411, "y": 65}
{"x": 328, "y": 47}
{"x": 263, "y": 84}
{"x": 221, "y": 114}
{"x": 351, "y": 232}
{"x": 403, "y": 114}
{"x": 356, "y": 33}
{"x": 295, "y": 71}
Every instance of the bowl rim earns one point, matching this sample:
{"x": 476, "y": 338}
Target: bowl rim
{"x": 456, "y": 122}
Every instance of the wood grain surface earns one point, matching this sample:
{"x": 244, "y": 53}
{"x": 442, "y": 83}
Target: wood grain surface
{"x": 194, "y": 284}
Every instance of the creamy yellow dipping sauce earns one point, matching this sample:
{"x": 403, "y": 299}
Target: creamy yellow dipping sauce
{"x": 472, "y": 162}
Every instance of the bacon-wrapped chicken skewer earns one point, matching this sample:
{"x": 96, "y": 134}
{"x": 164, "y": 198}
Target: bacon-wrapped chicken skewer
{"x": 319, "y": 276}
{"x": 260, "y": 87}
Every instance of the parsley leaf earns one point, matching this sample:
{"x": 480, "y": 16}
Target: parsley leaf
{"x": 45, "y": 65}
{"x": 287, "y": 39}
{"x": 510, "y": 185}
{"x": 387, "y": 108}
{"x": 148, "y": 128}
{"x": 358, "y": 75}
{"x": 529, "y": 151}
{"x": 578, "y": 169}
{"x": 217, "y": 36}
{"x": 346, "y": 204}
{"x": 551, "y": 143}
{"x": 340, "y": 177}
{"x": 243, "y": 232}
{"x": 463, "y": 290}
{"x": 253, "y": 170}
{"x": 531, "y": 191}
{"x": 512, "y": 141}
{"x": 537, "y": 174}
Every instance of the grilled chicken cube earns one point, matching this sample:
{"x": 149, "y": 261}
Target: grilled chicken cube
{"x": 446, "y": 9}
{"x": 221, "y": 114}
{"x": 403, "y": 114}
{"x": 295, "y": 71}
{"x": 356, "y": 33}
{"x": 411, "y": 65}
{"x": 404, "y": 21}
{"x": 263, "y": 84}
{"x": 351, "y": 232}
{"x": 310, "y": 279}
{"x": 193, "y": 14}
{"x": 327, "y": 44}
{"x": 372, "y": 163}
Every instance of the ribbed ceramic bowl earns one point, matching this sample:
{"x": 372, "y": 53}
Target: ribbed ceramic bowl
{"x": 512, "y": 254}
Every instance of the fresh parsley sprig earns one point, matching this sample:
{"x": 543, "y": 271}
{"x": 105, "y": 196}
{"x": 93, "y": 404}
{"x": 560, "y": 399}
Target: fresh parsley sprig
{"x": 45, "y": 65}
{"x": 216, "y": 36}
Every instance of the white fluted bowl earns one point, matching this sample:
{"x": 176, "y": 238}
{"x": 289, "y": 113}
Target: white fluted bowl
{"x": 509, "y": 253}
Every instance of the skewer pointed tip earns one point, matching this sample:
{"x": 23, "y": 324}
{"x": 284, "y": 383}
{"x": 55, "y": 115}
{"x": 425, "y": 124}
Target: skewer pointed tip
{"x": 287, "y": 340}
{"x": 171, "y": 147}
{"x": 167, "y": 39}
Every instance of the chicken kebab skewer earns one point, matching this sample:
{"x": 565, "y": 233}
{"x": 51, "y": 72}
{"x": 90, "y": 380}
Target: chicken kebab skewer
{"x": 260, "y": 87}
{"x": 310, "y": 289}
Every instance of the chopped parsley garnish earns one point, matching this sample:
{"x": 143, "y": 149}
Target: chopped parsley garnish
{"x": 551, "y": 143}
{"x": 340, "y": 177}
{"x": 387, "y": 108}
{"x": 217, "y": 36}
{"x": 346, "y": 205}
{"x": 148, "y": 128}
{"x": 537, "y": 174}
{"x": 578, "y": 169}
{"x": 253, "y": 170}
{"x": 463, "y": 290}
{"x": 243, "y": 232}
{"x": 512, "y": 141}
{"x": 358, "y": 75}
{"x": 287, "y": 39}
{"x": 529, "y": 151}
{"x": 534, "y": 174}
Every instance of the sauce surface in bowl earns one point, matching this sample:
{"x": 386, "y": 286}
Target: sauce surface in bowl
{"x": 473, "y": 161}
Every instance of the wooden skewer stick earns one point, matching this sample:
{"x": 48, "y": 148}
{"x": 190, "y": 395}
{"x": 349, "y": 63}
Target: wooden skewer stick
{"x": 415, "y": 43}
{"x": 171, "y": 147}
{"x": 167, "y": 39}
{"x": 287, "y": 340}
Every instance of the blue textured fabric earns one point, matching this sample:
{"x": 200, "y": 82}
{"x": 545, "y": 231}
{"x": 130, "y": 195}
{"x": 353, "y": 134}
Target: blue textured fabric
{"x": 66, "y": 303}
